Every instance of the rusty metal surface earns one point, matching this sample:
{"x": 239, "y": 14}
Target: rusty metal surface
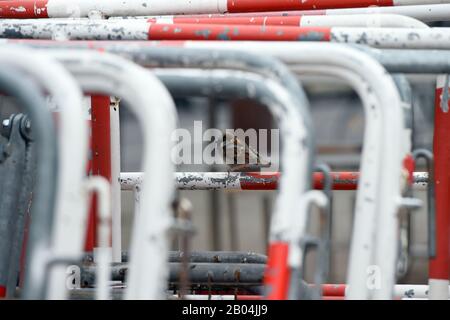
{"x": 235, "y": 274}
{"x": 253, "y": 180}
{"x": 204, "y": 257}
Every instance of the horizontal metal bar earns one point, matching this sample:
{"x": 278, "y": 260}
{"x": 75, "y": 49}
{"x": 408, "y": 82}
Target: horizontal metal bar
{"x": 422, "y": 12}
{"x": 361, "y": 20}
{"x": 205, "y": 257}
{"x": 84, "y": 8}
{"x": 414, "y": 38}
{"x": 238, "y": 274}
{"x": 252, "y": 180}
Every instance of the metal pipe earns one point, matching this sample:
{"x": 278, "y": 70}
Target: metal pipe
{"x": 116, "y": 208}
{"x": 205, "y": 257}
{"x": 361, "y": 20}
{"x": 143, "y": 30}
{"x": 431, "y": 200}
{"x": 401, "y": 291}
{"x": 300, "y": 243}
{"x": 421, "y": 61}
{"x": 254, "y": 180}
{"x": 294, "y": 54}
{"x": 73, "y": 155}
{"x": 29, "y": 97}
{"x": 238, "y": 274}
{"x": 16, "y": 172}
{"x": 417, "y": 38}
{"x": 103, "y": 254}
{"x": 84, "y": 8}
{"x": 103, "y": 73}
{"x": 239, "y": 60}
{"x": 300, "y": 51}
{"x": 422, "y": 12}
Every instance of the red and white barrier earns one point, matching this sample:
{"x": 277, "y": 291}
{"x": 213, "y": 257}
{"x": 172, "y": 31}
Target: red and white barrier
{"x": 363, "y": 20}
{"x": 417, "y": 38}
{"x": 425, "y": 13}
{"x": 252, "y": 180}
{"x": 330, "y": 292}
{"x": 84, "y": 8}
{"x": 439, "y": 267}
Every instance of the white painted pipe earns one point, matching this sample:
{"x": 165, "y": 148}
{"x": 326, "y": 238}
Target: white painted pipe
{"x": 71, "y": 207}
{"x": 102, "y": 254}
{"x": 155, "y": 110}
{"x": 362, "y": 21}
{"x": 228, "y": 180}
{"x": 116, "y": 239}
{"x": 85, "y": 8}
{"x": 381, "y": 167}
{"x": 422, "y": 12}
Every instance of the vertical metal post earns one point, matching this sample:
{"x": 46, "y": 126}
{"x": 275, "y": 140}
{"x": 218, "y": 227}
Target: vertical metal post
{"x": 116, "y": 199}
{"x": 439, "y": 265}
{"x": 101, "y": 157}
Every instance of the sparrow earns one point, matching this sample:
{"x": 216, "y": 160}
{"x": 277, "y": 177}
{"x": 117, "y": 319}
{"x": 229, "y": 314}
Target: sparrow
{"x": 232, "y": 150}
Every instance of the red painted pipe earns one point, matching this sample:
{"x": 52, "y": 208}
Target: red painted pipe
{"x": 23, "y": 9}
{"x": 278, "y": 5}
{"x": 237, "y": 32}
{"x": 257, "y": 21}
{"x": 277, "y": 274}
{"x": 62, "y": 9}
{"x": 101, "y": 157}
{"x": 341, "y": 181}
{"x": 439, "y": 267}
{"x": 334, "y": 290}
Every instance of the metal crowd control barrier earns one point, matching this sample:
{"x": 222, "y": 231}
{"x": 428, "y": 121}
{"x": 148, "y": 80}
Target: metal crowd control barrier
{"x": 210, "y": 59}
{"x": 283, "y": 107}
{"x": 125, "y": 29}
{"x": 73, "y": 156}
{"x": 79, "y": 8}
{"x": 378, "y": 216}
{"x": 307, "y": 54}
{"x": 422, "y": 12}
{"x": 426, "y": 62}
{"x": 389, "y": 195}
{"x": 254, "y": 180}
{"x": 361, "y": 20}
{"x": 402, "y": 38}
{"x": 413, "y": 38}
{"x": 29, "y": 97}
{"x": 113, "y": 75}
{"x": 170, "y": 57}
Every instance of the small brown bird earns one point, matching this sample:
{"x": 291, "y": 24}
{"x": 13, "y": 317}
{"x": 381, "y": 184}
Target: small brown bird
{"x": 234, "y": 150}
